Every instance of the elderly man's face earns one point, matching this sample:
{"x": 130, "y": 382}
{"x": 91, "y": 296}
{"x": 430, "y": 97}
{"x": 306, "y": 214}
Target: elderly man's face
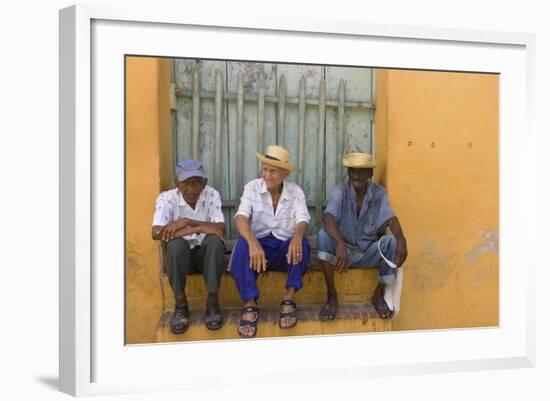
{"x": 273, "y": 176}
{"x": 191, "y": 189}
{"x": 359, "y": 177}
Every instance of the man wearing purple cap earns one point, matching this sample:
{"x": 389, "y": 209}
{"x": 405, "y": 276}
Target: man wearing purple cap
{"x": 190, "y": 219}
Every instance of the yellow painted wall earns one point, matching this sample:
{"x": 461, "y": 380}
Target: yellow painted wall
{"x": 148, "y": 171}
{"x": 437, "y": 152}
{"x": 437, "y": 141}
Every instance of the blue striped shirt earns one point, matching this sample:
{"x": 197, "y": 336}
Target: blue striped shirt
{"x": 373, "y": 217}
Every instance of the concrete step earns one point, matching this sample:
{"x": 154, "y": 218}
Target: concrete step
{"x": 360, "y": 317}
{"x": 357, "y": 285}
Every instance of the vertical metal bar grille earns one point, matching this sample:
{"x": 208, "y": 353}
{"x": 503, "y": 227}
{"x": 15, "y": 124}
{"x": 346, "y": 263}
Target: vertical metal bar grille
{"x": 218, "y": 131}
{"x": 281, "y": 112}
{"x": 196, "y": 109}
{"x": 340, "y": 134}
{"x": 320, "y": 151}
{"x": 261, "y": 117}
{"x": 316, "y": 174}
{"x": 239, "y": 131}
{"x": 301, "y": 130}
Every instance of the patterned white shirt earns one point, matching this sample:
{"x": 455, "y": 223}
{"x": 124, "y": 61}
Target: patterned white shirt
{"x": 171, "y": 206}
{"x": 257, "y": 206}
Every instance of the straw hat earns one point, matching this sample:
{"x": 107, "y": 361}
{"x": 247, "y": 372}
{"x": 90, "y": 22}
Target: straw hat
{"x": 359, "y": 160}
{"x": 277, "y": 156}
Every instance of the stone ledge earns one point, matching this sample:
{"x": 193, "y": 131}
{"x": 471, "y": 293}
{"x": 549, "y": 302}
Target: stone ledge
{"x": 351, "y": 319}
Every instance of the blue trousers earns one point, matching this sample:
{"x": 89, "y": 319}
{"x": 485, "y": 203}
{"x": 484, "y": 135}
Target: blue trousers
{"x": 275, "y": 252}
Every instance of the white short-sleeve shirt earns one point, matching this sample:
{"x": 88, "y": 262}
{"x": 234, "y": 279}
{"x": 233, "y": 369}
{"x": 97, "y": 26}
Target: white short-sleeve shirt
{"x": 171, "y": 206}
{"x": 257, "y": 205}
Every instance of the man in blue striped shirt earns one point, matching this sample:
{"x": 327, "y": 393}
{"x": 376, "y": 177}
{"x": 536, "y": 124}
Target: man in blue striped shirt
{"x": 353, "y": 236}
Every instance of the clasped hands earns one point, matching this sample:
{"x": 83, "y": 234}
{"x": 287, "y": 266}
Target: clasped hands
{"x": 170, "y": 231}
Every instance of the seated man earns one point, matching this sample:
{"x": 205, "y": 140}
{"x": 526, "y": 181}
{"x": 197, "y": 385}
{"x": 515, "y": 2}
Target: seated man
{"x": 189, "y": 218}
{"x": 272, "y": 220}
{"x": 354, "y": 223}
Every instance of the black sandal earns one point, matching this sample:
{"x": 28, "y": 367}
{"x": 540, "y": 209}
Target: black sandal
{"x": 288, "y": 315}
{"x": 214, "y": 317}
{"x": 180, "y": 320}
{"x": 249, "y": 324}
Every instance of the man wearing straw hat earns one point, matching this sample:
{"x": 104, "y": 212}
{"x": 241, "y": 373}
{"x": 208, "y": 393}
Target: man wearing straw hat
{"x": 353, "y": 236}
{"x": 272, "y": 220}
{"x": 189, "y": 218}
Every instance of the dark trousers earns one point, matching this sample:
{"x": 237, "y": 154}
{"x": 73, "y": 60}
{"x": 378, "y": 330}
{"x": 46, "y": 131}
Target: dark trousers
{"x": 207, "y": 259}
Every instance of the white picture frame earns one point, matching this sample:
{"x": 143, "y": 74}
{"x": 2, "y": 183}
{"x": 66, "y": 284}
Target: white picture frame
{"x": 93, "y": 41}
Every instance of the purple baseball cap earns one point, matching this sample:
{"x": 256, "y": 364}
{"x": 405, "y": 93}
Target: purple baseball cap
{"x": 190, "y": 168}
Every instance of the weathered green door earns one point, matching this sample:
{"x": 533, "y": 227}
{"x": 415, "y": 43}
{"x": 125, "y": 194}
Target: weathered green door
{"x": 228, "y": 110}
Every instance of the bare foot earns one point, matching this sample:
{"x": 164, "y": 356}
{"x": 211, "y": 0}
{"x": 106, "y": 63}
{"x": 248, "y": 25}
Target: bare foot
{"x": 380, "y": 304}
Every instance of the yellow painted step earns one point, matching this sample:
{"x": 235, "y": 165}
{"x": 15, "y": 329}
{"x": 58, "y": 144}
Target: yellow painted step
{"x": 357, "y": 285}
{"x": 351, "y": 318}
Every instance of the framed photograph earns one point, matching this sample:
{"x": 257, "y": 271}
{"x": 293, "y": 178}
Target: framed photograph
{"x": 446, "y": 114}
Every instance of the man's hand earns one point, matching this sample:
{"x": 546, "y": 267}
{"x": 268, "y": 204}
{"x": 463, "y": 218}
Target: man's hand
{"x": 341, "y": 257}
{"x": 400, "y": 251}
{"x": 294, "y": 255}
{"x": 212, "y": 230}
{"x": 258, "y": 261}
{"x": 170, "y": 229}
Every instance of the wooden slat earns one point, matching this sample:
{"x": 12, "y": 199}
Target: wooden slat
{"x": 357, "y": 135}
{"x": 218, "y": 131}
{"x": 320, "y": 150}
{"x": 340, "y": 133}
{"x": 301, "y": 130}
{"x": 196, "y": 109}
{"x": 281, "y": 112}
{"x": 350, "y": 104}
{"x": 240, "y": 133}
{"x": 261, "y": 117}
